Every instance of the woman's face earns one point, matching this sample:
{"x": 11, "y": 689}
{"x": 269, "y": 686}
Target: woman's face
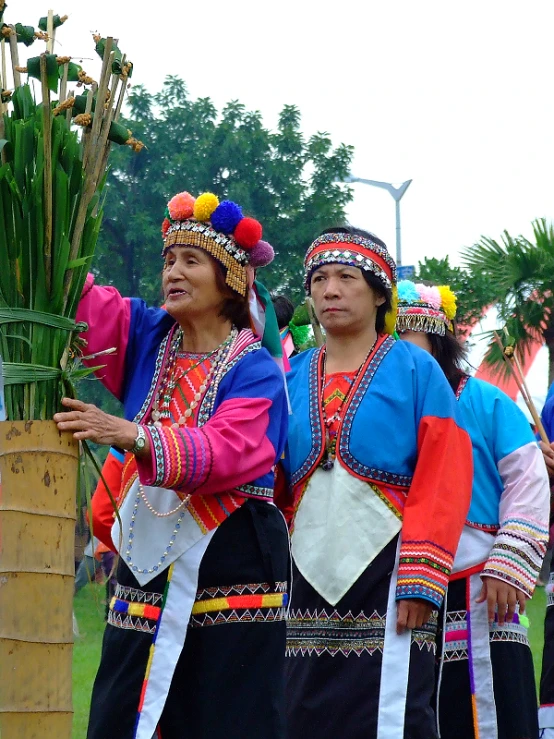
{"x": 189, "y": 284}
{"x": 418, "y": 338}
{"x": 343, "y": 301}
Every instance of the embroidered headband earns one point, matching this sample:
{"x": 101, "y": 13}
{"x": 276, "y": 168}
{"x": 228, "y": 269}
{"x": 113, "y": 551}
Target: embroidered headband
{"x": 354, "y": 251}
{"x": 426, "y": 308}
{"x": 221, "y": 230}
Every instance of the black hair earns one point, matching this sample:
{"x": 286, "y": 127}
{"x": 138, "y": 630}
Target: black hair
{"x": 449, "y": 353}
{"x": 372, "y": 280}
{"x": 284, "y": 310}
{"x": 447, "y": 350}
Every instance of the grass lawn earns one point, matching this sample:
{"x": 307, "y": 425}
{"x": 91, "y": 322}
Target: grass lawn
{"x": 89, "y": 610}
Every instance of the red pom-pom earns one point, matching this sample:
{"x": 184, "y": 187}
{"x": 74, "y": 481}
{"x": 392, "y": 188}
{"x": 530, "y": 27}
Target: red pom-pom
{"x": 248, "y": 233}
{"x": 165, "y": 227}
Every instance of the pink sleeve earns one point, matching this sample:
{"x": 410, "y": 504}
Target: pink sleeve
{"x": 520, "y": 544}
{"x": 108, "y": 317}
{"x": 231, "y": 449}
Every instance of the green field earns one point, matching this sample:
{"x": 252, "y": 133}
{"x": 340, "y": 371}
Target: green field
{"x": 89, "y": 610}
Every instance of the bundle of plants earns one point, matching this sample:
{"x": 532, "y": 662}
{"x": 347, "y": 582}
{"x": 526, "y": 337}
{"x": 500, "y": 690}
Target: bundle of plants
{"x": 54, "y": 147}
{"x": 54, "y": 154}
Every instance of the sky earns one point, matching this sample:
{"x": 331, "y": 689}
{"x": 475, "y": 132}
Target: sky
{"x": 457, "y": 97}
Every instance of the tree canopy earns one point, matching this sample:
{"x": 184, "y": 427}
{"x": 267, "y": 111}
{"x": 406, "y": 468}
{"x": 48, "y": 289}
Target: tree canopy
{"x": 520, "y": 276}
{"x": 472, "y": 288}
{"x": 285, "y": 179}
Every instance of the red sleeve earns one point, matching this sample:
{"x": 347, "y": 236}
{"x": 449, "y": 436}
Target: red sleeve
{"x": 283, "y": 497}
{"x": 102, "y": 506}
{"x": 435, "y": 510}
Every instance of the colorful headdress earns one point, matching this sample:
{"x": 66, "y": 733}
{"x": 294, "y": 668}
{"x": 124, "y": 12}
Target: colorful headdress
{"x": 427, "y": 308}
{"x": 221, "y": 230}
{"x": 354, "y": 251}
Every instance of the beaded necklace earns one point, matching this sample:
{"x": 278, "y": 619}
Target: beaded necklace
{"x": 329, "y": 456}
{"x": 173, "y": 374}
{"x": 170, "y": 381}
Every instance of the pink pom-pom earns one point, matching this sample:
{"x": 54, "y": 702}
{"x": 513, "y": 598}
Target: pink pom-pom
{"x": 166, "y": 223}
{"x": 430, "y": 294}
{"x": 181, "y": 206}
{"x": 261, "y": 255}
{"x": 248, "y": 233}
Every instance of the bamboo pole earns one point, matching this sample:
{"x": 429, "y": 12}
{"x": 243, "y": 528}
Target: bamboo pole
{"x": 50, "y": 30}
{"x": 15, "y": 58}
{"x": 47, "y": 175}
{"x": 38, "y": 468}
{"x": 90, "y": 184}
{"x": 516, "y": 370}
{"x": 68, "y": 111}
{"x": 4, "y": 67}
{"x": 63, "y": 84}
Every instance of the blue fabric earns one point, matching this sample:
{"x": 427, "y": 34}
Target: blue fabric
{"x": 547, "y": 418}
{"x": 407, "y": 386}
{"x": 255, "y": 375}
{"x": 497, "y": 428}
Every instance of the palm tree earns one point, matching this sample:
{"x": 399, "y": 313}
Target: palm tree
{"x": 520, "y": 274}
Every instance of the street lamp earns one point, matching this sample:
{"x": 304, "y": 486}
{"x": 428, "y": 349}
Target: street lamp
{"x": 397, "y": 193}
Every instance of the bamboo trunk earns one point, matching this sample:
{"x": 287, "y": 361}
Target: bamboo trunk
{"x": 38, "y": 468}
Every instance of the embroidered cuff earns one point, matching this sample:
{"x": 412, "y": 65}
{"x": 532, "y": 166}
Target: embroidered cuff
{"x": 423, "y": 571}
{"x": 180, "y": 459}
{"x": 517, "y": 554}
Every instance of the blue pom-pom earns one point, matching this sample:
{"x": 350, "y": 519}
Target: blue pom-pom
{"x": 407, "y": 292}
{"x": 226, "y": 217}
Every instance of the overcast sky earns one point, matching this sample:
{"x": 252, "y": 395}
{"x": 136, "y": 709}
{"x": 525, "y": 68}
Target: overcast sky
{"x": 456, "y": 96}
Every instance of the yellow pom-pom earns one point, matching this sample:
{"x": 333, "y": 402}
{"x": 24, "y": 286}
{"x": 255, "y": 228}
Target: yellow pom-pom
{"x": 205, "y": 205}
{"x": 448, "y": 301}
{"x": 390, "y": 317}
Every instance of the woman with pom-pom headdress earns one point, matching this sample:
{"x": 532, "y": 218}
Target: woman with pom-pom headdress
{"x": 487, "y": 684}
{"x": 375, "y": 516}
{"x": 195, "y": 639}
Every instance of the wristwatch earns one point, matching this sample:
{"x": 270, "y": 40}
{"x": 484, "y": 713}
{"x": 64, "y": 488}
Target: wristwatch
{"x": 140, "y": 441}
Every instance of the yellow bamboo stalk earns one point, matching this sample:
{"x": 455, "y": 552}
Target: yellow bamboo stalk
{"x": 38, "y": 468}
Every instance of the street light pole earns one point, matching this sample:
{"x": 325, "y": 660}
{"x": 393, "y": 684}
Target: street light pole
{"x": 397, "y": 193}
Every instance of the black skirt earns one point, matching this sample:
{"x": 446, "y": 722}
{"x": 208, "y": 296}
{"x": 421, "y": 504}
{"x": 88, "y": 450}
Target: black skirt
{"x": 513, "y": 679}
{"x": 229, "y": 678}
{"x": 334, "y": 658}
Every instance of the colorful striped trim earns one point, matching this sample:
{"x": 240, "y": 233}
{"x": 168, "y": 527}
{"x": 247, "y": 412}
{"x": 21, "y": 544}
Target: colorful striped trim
{"x": 316, "y": 421}
{"x": 251, "y": 603}
{"x": 423, "y": 571}
{"x": 517, "y": 554}
{"x": 142, "y": 610}
{"x": 275, "y": 600}
{"x": 317, "y": 633}
{"x": 256, "y": 491}
{"x": 456, "y": 634}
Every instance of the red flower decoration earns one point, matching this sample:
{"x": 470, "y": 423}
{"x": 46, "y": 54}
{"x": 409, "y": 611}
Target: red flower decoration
{"x": 165, "y": 227}
{"x": 248, "y": 233}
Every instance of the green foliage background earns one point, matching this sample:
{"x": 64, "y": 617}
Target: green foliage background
{"x": 286, "y": 180}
